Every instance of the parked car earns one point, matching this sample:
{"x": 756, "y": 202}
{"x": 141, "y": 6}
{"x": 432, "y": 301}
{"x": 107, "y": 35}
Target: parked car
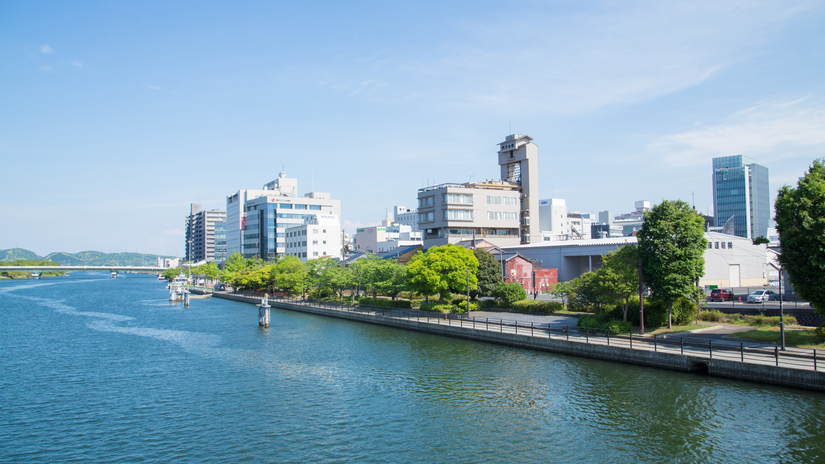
{"x": 760, "y": 296}
{"x": 721, "y": 294}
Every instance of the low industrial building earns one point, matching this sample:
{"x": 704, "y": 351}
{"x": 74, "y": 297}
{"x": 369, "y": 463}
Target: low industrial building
{"x": 730, "y": 261}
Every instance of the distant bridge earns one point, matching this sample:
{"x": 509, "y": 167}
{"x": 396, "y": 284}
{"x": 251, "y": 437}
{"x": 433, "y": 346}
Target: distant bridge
{"x": 114, "y": 270}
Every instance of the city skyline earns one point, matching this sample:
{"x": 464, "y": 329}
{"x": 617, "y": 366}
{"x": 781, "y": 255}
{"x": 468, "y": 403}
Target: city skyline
{"x": 130, "y": 113}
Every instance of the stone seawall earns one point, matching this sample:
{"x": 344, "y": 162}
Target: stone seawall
{"x": 782, "y": 376}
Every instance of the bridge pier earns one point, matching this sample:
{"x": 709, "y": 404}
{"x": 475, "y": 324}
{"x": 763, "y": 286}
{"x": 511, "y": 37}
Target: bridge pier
{"x": 36, "y": 275}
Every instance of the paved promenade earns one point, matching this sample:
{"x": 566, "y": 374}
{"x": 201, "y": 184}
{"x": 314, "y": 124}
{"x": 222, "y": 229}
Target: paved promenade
{"x": 727, "y": 358}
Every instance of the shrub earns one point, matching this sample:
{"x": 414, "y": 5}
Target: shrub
{"x": 535, "y": 306}
{"x": 605, "y": 321}
{"x": 820, "y": 332}
{"x": 384, "y": 303}
{"x": 416, "y": 302}
{"x": 510, "y": 292}
{"x": 462, "y": 306}
{"x": 438, "y": 307}
{"x": 684, "y": 311}
{"x": 458, "y": 299}
{"x": 489, "y": 304}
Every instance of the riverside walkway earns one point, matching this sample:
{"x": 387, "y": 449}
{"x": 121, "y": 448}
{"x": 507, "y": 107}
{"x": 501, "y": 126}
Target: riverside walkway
{"x": 794, "y": 367}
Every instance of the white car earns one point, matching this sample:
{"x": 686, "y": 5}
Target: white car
{"x": 760, "y": 296}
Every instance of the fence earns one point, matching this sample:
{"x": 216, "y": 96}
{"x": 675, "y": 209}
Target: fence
{"x": 794, "y": 358}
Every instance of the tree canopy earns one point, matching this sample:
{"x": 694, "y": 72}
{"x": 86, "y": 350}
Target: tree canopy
{"x": 800, "y": 221}
{"x": 489, "y": 272}
{"x": 442, "y": 270}
{"x": 671, "y": 246}
{"x": 618, "y": 278}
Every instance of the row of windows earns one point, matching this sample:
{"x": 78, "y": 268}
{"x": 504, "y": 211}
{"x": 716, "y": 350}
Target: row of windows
{"x": 461, "y": 214}
{"x": 426, "y": 217}
{"x": 711, "y": 245}
{"x": 509, "y": 201}
{"x": 426, "y": 201}
{"x": 457, "y": 198}
{"x": 502, "y": 215}
{"x": 285, "y": 206}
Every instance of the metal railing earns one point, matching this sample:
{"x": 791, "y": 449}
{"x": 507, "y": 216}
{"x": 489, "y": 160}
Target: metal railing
{"x": 794, "y": 358}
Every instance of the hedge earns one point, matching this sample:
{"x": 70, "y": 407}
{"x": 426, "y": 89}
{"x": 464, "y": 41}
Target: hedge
{"x": 535, "y": 306}
{"x": 438, "y": 307}
{"x": 384, "y": 303}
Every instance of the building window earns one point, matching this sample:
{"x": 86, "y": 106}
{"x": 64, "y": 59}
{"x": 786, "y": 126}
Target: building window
{"x": 710, "y": 245}
{"x": 300, "y": 206}
{"x": 459, "y": 214}
{"x": 315, "y": 207}
{"x": 315, "y": 242}
{"x": 325, "y": 242}
{"x": 716, "y": 245}
{"x": 493, "y": 200}
{"x": 314, "y": 231}
{"x": 730, "y": 245}
{"x": 426, "y": 217}
{"x": 455, "y": 198}
{"x": 723, "y": 245}
{"x": 426, "y": 201}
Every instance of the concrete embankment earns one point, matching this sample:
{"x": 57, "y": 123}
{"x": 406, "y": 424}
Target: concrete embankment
{"x": 797, "y": 378}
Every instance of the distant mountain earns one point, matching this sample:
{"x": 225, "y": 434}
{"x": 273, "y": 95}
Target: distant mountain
{"x": 14, "y": 254}
{"x": 88, "y": 258}
{"x": 98, "y": 258}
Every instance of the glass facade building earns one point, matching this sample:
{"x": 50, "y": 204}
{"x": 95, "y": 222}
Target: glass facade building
{"x": 741, "y": 194}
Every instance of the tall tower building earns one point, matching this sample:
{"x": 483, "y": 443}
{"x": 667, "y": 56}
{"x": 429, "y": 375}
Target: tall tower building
{"x": 741, "y": 196}
{"x": 518, "y": 158}
{"x": 205, "y": 237}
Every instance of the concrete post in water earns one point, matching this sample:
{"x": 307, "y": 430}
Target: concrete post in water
{"x": 263, "y": 312}
{"x": 186, "y": 297}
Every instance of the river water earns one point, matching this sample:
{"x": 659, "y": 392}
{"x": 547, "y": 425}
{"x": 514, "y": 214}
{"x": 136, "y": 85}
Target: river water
{"x": 107, "y": 370}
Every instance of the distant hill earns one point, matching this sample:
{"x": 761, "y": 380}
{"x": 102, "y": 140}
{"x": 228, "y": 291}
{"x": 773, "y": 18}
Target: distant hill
{"x": 14, "y": 254}
{"x": 88, "y": 258}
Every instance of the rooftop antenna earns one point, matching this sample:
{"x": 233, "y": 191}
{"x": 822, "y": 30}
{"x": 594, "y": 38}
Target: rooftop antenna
{"x": 470, "y": 176}
{"x": 693, "y": 193}
{"x": 509, "y": 127}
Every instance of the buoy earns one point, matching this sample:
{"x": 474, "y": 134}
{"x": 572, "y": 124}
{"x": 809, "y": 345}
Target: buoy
{"x": 740, "y": 299}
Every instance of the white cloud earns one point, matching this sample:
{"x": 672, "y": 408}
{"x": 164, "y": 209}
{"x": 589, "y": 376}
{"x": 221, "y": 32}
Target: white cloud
{"x": 153, "y": 87}
{"x": 350, "y": 227}
{"x": 77, "y": 64}
{"x": 46, "y": 68}
{"x": 45, "y": 49}
{"x": 769, "y": 131}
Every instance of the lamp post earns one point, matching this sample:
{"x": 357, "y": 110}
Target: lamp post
{"x": 781, "y": 312}
{"x": 468, "y": 292}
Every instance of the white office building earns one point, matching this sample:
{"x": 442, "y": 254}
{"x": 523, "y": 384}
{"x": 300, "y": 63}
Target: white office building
{"x": 385, "y": 238}
{"x": 256, "y": 220}
{"x": 406, "y": 216}
{"x": 318, "y": 237}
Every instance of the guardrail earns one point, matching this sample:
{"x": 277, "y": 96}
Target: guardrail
{"x": 794, "y": 358}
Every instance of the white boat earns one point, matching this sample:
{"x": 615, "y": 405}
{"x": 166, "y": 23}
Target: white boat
{"x": 178, "y": 288}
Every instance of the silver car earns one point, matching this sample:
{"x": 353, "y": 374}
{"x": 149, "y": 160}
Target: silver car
{"x": 761, "y": 296}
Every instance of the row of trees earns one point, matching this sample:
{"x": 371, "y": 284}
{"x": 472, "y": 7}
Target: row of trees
{"x": 440, "y": 271}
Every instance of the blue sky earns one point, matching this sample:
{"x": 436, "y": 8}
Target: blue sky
{"x": 115, "y": 116}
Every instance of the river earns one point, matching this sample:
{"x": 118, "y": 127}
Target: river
{"x": 108, "y": 370}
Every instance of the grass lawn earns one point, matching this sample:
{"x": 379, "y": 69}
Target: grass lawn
{"x": 804, "y": 338}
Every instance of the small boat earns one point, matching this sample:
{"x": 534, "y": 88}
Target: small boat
{"x": 160, "y": 277}
{"x": 178, "y": 288}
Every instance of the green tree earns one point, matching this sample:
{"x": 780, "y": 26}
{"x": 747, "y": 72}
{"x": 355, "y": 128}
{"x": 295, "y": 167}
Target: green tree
{"x": 618, "y": 278}
{"x": 671, "y": 247}
{"x": 364, "y": 273}
{"x": 171, "y": 273}
{"x": 390, "y": 278}
{"x": 510, "y": 292}
{"x": 288, "y": 275}
{"x": 233, "y": 265}
{"x": 563, "y": 290}
{"x": 442, "y": 269}
{"x": 489, "y": 272}
{"x": 800, "y": 221}
{"x": 210, "y": 269}
{"x": 761, "y": 240}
